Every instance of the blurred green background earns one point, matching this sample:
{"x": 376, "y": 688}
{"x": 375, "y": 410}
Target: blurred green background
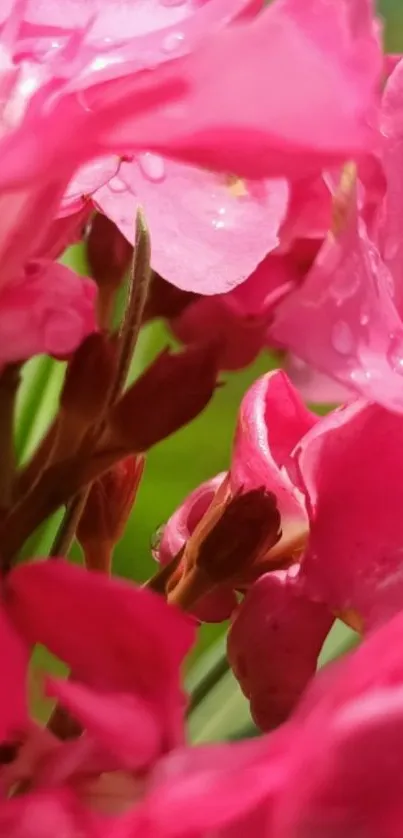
{"x": 173, "y": 469}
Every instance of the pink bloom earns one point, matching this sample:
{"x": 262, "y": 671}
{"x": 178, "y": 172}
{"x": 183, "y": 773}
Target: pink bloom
{"x": 76, "y": 614}
{"x": 271, "y": 421}
{"x": 347, "y": 316}
{"x": 218, "y": 605}
{"x": 50, "y": 310}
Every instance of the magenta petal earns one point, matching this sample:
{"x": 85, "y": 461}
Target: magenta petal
{"x": 272, "y": 419}
{"x": 122, "y": 723}
{"x": 350, "y": 466}
{"x": 274, "y": 643}
{"x": 13, "y": 695}
{"x": 343, "y": 319}
{"x": 206, "y": 237}
{"x": 346, "y": 755}
{"x": 49, "y": 310}
{"x": 48, "y": 598}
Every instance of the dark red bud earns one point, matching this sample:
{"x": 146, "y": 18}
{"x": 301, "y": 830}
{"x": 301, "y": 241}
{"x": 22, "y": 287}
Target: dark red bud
{"x": 88, "y": 379}
{"x": 108, "y": 252}
{"x": 249, "y": 526}
{"x": 107, "y": 510}
{"x": 164, "y": 300}
{"x": 171, "y": 392}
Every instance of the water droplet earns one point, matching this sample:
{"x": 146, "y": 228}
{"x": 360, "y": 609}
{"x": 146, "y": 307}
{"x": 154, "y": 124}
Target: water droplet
{"x": 218, "y": 223}
{"x": 342, "y": 338}
{"x": 152, "y": 166}
{"x": 395, "y": 352}
{"x": 172, "y": 42}
{"x": 364, "y": 319}
{"x": 117, "y": 185}
{"x": 170, "y": 3}
{"x": 82, "y": 101}
{"x": 156, "y": 539}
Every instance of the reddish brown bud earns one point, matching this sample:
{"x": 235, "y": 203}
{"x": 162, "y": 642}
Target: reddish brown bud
{"x": 249, "y": 526}
{"x": 88, "y": 379}
{"x": 227, "y": 544}
{"x": 109, "y": 255}
{"x": 107, "y": 510}
{"x": 108, "y": 252}
{"x": 164, "y": 300}
{"x": 171, "y": 392}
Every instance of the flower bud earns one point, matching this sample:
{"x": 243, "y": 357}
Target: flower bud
{"x": 109, "y": 255}
{"x": 169, "y": 394}
{"x": 107, "y": 510}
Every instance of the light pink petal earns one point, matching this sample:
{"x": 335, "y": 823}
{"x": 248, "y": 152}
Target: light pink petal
{"x": 49, "y": 310}
{"x": 343, "y": 319}
{"x": 48, "y": 598}
{"x": 62, "y": 233}
{"x": 149, "y": 26}
{"x": 121, "y": 723}
{"x": 208, "y": 234}
{"x": 86, "y": 181}
{"x": 274, "y": 644}
{"x": 261, "y": 136}
{"x": 13, "y": 694}
{"x": 350, "y": 466}
{"x": 314, "y": 386}
{"x": 272, "y": 419}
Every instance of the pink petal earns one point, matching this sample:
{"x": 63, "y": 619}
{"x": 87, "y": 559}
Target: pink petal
{"x": 46, "y": 814}
{"x": 121, "y": 723}
{"x": 314, "y": 386}
{"x": 50, "y": 309}
{"x": 274, "y": 644}
{"x": 48, "y": 598}
{"x": 272, "y": 419}
{"x": 205, "y": 236}
{"x": 350, "y": 468}
{"x": 13, "y": 695}
{"x": 148, "y": 25}
{"x": 392, "y": 159}
{"x": 345, "y": 766}
{"x": 343, "y": 318}
{"x": 330, "y": 97}
{"x": 62, "y": 233}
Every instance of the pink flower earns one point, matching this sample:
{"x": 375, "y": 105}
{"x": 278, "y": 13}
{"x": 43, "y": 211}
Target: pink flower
{"x": 46, "y": 599}
{"x": 50, "y": 310}
{"x": 353, "y": 556}
{"x": 346, "y": 318}
{"x": 271, "y": 421}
